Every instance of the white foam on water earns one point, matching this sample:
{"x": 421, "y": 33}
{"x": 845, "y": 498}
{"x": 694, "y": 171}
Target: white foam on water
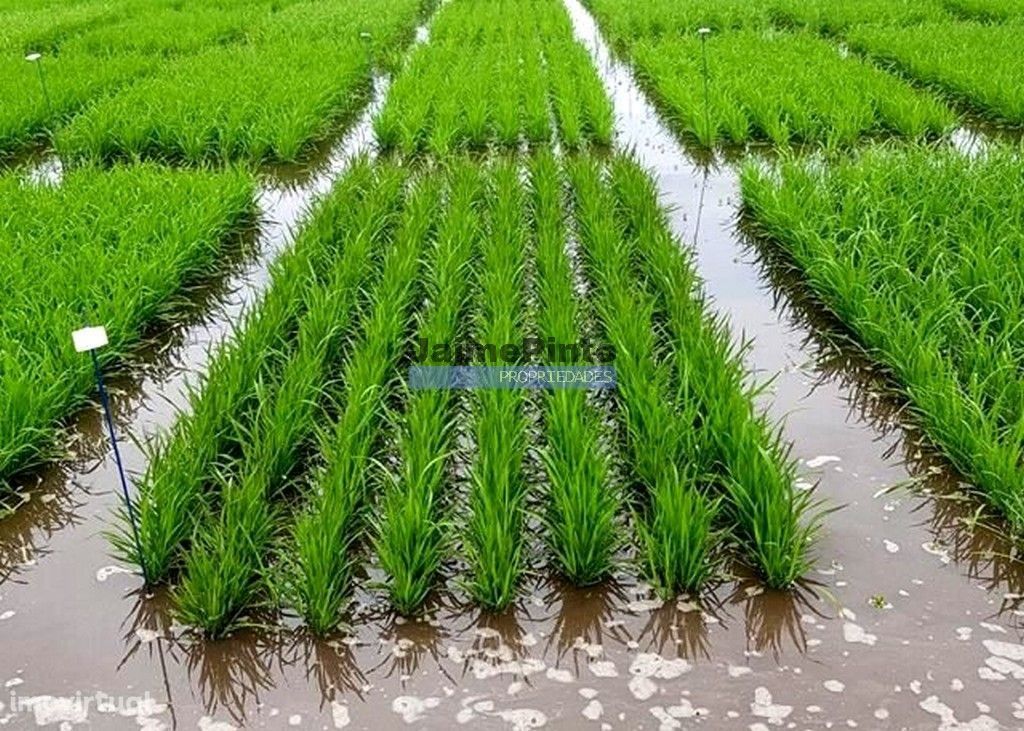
{"x": 765, "y": 707}
{"x": 413, "y": 709}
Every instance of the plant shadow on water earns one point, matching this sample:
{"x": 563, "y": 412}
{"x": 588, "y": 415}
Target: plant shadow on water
{"x": 964, "y": 530}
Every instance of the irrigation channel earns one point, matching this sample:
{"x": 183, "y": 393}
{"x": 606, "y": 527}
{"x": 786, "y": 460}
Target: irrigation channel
{"x": 910, "y": 618}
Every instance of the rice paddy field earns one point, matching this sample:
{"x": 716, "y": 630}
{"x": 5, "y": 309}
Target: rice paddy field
{"x": 508, "y": 364}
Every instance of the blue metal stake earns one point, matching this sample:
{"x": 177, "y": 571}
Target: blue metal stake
{"x": 117, "y": 457}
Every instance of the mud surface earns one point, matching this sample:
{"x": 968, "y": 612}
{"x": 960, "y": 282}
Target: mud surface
{"x": 909, "y": 620}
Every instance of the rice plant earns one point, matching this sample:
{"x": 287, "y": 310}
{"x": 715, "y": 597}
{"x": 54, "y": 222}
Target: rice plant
{"x": 318, "y": 560}
{"x": 918, "y": 252}
{"x": 184, "y": 462}
{"x": 669, "y": 454}
{"x": 494, "y": 74}
{"x": 112, "y": 248}
{"x": 781, "y": 87}
{"x": 494, "y": 541}
{"x": 412, "y": 534}
{"x": 581, "y": 504}
{"x": 977, "y": 63}
{"x": 773, "y": 521}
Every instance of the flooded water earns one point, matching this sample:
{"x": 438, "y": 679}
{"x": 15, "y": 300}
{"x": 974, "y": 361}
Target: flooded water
{"x": 910, "y": 618}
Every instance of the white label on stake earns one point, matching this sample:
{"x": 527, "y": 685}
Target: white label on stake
{"x": 89, "y": 338}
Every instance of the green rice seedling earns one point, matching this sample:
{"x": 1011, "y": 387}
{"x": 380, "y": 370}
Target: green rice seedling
{"x": 783, "y": 88}
{"x": 223, "y": 569}
{"x": 976, "y": 63}
{"x": 669, "y": 455}
{"x": 411, "y": 534}
{"x": 494, "y": 526}
{"x": 918, "y": 252}
{"x": 184, "y": 463}
{"x": 318, "y": 559}
{"x": 773, "y": 521}
{"x": 491, "y": 75}
{"x": 581, "y": 504}
{"x": 111, "y": 248}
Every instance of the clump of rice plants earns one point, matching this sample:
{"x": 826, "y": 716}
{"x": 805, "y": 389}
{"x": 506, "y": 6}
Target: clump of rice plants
{"x": 772, "y": 520}
{"x": 669, "y": 455}
{"x": 110, "y": 248}
{"x": 184, "y": 462}
{"x": 412, "y": 535}
{"x": 918, "y": 252}
{"x": 494, "y": 541}
{"x": 317, "y": 561}
{"x": 581, "y": 504}
{"x": 781, "y": 87}
{"x": 977, "y": 63}
{"x": 496, "y": 74}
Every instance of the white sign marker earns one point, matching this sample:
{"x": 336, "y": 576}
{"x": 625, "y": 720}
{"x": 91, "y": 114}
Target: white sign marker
{"x": 89, "y": 338}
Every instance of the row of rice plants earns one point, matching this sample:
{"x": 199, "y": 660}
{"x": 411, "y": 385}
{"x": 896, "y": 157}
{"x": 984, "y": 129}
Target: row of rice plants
{"x": 674, "y": 515}
{"x": 773, "y": 521}
{"x": 496, "y": 74}
{"x": 769, "y": 85}
{"x": 91, "y": 49}
{"x": 185, "y": 462}
{"x": 262, "y": 82}
{"x": 226, "y": 566}
{"x": 979, "y": 64}
{"x": 27, "y": 113}
{"x": 581, "y": 505}
{"x": 918, "y": 253}
{"x": 834, "y": 18}
{"x": 990, "y": 10}
{"x": 112, "y": 247}
{"x": 494, "y": 541}
{"x": 26, "y": 29}
{"x": 629, "y": 20}
{"x": 269, "y": 100}
{"x": 413, "y": 535}
{"x": 319, "y": 556}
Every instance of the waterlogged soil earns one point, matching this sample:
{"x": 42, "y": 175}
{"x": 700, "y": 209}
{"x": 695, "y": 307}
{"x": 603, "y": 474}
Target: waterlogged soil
{"x": 911, "y": 617}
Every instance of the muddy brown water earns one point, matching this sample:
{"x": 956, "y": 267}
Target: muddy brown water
{"x": 910, "y": 618}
